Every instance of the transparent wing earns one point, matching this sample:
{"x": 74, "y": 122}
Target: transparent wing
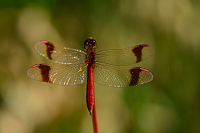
{"x": 61, "y": 74}
{"x": 120, "y": 76}
{"x": 126, "y": 56}
{"x": 60, "y": 54}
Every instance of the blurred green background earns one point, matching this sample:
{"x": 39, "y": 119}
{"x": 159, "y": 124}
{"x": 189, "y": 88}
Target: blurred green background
{"x": 168, "y": 104}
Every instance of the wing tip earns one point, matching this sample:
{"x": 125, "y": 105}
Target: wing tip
{"x": 140, "y": 76}
{"x": 44, "y": 41}
{"x": 36, "y": 65}
{"x": 143, "y": 69}
{"x": 144, "y": 45}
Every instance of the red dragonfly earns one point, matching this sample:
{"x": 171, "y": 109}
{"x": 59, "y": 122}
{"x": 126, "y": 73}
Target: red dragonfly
{"x": 111, "y": 67}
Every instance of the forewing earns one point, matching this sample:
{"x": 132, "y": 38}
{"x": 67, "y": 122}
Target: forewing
{"x": 120, "y": 76}
{"x": 59, "y": 53}
{"x": 126, "y": 56}
{"x": 61, "y": 74}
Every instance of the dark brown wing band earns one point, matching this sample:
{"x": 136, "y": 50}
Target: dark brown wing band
{"x": 138, "y": 52}
{"x": 135, "y": 73}
{"x": 44, "y": 69}
{"x": 50, "y": 48}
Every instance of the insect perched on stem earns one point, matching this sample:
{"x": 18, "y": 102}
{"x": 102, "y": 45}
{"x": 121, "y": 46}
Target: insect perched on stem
{"x": 108, "y": 67}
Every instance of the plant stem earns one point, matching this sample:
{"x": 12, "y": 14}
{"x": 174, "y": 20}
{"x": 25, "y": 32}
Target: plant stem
{"x": 94, "y": 119}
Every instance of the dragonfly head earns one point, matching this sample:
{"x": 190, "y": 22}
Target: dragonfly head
{"x": 90, "y": 43}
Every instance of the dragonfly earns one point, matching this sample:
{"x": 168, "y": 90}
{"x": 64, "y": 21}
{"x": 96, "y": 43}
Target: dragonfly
{"x": 111, "y": 67}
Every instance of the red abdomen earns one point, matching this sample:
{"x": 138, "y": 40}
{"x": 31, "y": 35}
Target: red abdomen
{"x": 90, "y": 89}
